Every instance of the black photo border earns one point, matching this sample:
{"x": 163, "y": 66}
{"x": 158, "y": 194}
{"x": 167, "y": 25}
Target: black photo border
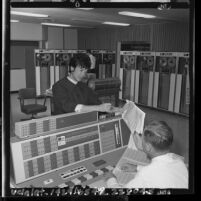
{"x": 5, "y": 138}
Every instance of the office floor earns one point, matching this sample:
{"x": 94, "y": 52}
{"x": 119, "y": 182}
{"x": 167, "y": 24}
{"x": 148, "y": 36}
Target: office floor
{"x": 179, "y": 124}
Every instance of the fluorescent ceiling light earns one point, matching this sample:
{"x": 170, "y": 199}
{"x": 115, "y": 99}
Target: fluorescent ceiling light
{"x": 86, "y": 20}
{"x": 133, "y": 14}
{"x": 136, "y": 1}
{"x": 83, "y": 26}
{"x": 116, "y": 23}
{"x": 85, "y": 8}
{"x": 58, "y": 25}
{"x": 14, "y": 20}
{"x": 28, "y": 14}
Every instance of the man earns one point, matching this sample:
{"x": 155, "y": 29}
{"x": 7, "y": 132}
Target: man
{"x": 166, "y": 170}
{"x": 93, "y": 62}
{"x": 70, "y": 94}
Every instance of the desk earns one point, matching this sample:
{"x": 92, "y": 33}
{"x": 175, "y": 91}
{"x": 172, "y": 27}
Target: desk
{"x": 94, "y": 179}
{"x": 49, "y": 153}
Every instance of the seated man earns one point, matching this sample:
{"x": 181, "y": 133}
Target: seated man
{"x": 166, "y": 170}
{"x": 70, "y": 94}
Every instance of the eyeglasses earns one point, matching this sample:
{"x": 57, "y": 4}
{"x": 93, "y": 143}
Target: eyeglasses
{"x": 83, "y": 69}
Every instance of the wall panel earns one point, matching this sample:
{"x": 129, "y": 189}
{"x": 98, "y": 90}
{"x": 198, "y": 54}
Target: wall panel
{"x": 25, "y": 31}
{"x": 163, "y": 37}
{"x": 70, "y": 39}
{"x": 55, "y": 38}
{"x": 108, "y": 38}
{"x": 170, "y": 37}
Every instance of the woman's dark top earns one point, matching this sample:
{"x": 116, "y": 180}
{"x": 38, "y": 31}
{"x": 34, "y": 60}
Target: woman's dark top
{"x": 67, "y": 95}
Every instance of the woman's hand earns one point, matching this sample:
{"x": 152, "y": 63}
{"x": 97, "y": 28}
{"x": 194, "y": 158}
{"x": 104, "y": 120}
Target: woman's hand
{"x": 116, "y": 110}
{"x": 105, "y": 107}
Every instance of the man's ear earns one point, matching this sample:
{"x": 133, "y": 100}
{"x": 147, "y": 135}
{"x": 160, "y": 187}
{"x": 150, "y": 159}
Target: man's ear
{"x": 72, "y": 69}
{"x": 148, "y": 147}
{"x": 137, "y": 140}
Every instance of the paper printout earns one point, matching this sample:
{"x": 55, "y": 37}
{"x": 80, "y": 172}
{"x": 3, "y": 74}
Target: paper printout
{"x": 134, "y": 118}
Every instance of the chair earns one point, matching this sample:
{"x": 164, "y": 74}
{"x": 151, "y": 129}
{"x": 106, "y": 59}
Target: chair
{"x": 34, "y": 108}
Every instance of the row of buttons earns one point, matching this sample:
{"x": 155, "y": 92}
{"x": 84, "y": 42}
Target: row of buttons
{"x": 86, "y": 177}
{"x": 73, "y": 172}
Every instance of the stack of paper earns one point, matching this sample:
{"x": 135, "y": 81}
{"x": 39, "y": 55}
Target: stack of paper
{"x": 133, "y": 157}
{"x": 134, "y": 118}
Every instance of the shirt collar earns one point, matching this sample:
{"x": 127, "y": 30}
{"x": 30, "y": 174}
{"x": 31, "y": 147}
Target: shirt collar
{"x": 166, "y": 157}
{"x": 71, "y": 80}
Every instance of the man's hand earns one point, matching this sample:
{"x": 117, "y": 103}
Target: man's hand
{"x": 111, "y": 180}
{"x": 128, "y": 167}
{"x": 108, "y": 175}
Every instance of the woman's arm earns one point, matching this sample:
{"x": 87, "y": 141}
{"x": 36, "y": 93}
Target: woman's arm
{"x": 105, "y": 107}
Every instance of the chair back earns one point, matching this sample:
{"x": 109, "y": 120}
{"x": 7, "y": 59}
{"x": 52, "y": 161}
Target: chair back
{"x": 28, "y": 102}
{"x": 27, "y": 93}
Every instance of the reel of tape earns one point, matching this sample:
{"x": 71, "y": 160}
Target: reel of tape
{"x": 46, "y": 57}
{"x": 171, "y": 62}
{"x": 65, "y": 57}
{"x": 163, "y": 61}
{"x": 132, "y": 60}
{"x": 126, "y": 59}
{"x": 150, "y": 61}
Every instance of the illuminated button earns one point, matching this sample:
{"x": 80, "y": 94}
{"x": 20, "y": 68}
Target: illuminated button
{"x": 99, "y": 172}
{"x": 94, "y": 174}
{"x": 62, "y": 185}
{"x": 88, "y": 176}
{"x": 76, "y": 181}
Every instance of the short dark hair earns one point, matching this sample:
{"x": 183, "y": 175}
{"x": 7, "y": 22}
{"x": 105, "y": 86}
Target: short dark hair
{"x": 88, "y": 51}
{"x": 80, "y": 59}
{"x": 159, "y": 135}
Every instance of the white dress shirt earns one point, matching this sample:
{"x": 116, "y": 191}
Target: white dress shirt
{"x": 165, "y": 171}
